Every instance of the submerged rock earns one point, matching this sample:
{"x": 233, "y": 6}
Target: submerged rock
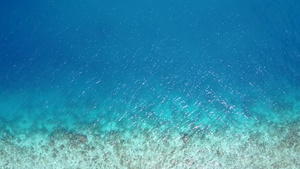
{"x": 81, "y": 138}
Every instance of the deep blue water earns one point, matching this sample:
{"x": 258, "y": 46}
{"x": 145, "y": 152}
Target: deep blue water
{"x": 161, "y": 61}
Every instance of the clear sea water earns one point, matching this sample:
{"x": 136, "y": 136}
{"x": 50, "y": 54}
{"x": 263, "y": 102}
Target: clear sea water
{"x": 150, "y": 84}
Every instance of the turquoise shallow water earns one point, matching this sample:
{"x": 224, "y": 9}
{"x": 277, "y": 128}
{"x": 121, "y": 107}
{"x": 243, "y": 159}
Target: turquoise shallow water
{"x": 170, "y": 84}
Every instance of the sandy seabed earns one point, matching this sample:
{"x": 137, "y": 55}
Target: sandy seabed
{"x": 274, "y": 147}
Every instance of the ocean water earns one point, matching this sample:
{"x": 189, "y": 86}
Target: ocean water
{"x": 150, "y": 84}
